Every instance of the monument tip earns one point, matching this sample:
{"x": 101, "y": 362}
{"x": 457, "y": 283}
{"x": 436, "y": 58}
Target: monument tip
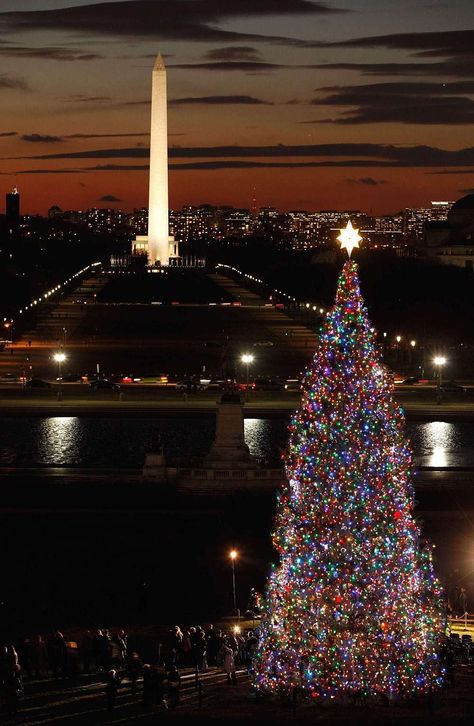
{"x": 159, "y": 63}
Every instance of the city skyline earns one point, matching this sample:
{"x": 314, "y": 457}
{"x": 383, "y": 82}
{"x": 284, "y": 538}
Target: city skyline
{"x": 287, "y": 103}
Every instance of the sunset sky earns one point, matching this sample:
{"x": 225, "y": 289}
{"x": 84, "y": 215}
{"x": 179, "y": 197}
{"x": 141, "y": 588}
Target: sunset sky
{"x": 343, "y": 104}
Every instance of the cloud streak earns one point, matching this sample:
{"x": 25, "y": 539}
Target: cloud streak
{"x": 407, "y": 103}
{"x": 59, "y": 54}
{"x": 344, "y": 155}
{"x": 177, "y": 20}
{"x": 242, "y": 66}
{"x": 9, "y": 83}
{"x": 41, "y": 138}
{"x": 367, "y": 181}
{"x": 109, "y": 198}
{"x": 219, "y": 101}
{"x": 443, "y": 54}
{"x": 233, "y": 53}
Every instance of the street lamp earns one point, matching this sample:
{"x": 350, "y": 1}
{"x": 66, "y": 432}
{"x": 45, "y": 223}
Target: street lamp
{"x": 247, "y": 358}
{"x": 412, "y": 343}
{"x": 9, "y": 328}
{"x": 233, "y": 554}
{"x": 59, "y": 358}
{"x": 439, "y": 361}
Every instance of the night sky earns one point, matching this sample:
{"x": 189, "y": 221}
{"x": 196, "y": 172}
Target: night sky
{"x": 345, "y": 104}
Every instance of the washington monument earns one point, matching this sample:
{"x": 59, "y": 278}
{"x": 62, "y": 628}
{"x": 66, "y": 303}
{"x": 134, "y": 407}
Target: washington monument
{"x": 158, "y": 242}
{"x": 158, "y": 245}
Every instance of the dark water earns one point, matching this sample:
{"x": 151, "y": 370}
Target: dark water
{"x": 123, "y": 443}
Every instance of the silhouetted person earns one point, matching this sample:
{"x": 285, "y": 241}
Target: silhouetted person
{"x": 118, "y": 649}
{"x": 175, "y": 640}
{"x": 159, "y": 685}
{"x": 212, "y": 645}
{"x": 134, "y": 668}
{"x": 13, "y": 688}
{"x": 57, "y": 653}
{"x": 86, "y": 650}
{"x": 174, "y": 685}
{"x": 101, "y": 650}
{"x": 198, "y": 643}
{"x": 229, "y": 663}
{"x": 39, "y": 656}
{"x": 148, "y": 686}
{"x": 111, "y": 688}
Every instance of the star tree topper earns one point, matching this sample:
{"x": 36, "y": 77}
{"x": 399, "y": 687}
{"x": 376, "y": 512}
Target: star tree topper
{"x": 349, "y": 238}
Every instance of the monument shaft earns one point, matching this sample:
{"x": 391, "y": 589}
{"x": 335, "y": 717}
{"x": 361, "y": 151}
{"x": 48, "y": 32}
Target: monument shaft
{"x": 158, "y": 224}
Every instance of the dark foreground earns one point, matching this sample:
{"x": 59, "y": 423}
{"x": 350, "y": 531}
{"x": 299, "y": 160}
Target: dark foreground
{"x": 83, "y": 701}
{"x": 108, "y": 549}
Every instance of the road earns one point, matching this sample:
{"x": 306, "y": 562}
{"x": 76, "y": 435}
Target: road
{"x": 149, "y": 400}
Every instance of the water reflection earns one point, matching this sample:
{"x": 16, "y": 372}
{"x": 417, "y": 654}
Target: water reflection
{"x": 60, "y": 440}
{"x": 123, "y": 443}
{"x": 439, "y": 457}
{"x": 265, "y": 441}
{"x": 438, "y": 442}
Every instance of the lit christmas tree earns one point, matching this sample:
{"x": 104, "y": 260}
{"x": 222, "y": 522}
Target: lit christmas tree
{"x": 353, "y": 607}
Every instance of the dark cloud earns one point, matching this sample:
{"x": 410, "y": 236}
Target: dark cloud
{"x": 8, "y": 133}
{"x": 167, "y": 19}
{"x": 118, "y": 153}
{"x": 220, "y": 100}
{"x": 454, "y": 69}
{"x": 416, "y": 89}
{"x": 409, "y": 103}
{"x": 346, "y": 155}
{"x": 106, "y": 136}
{"x": 41, "y": 138}
{"x": 236, "y": 164}
{"x": 82, "y": 98}
{"x": 443, "y": 44}
{"x": 449, "y": 54}
{"x": 233, "y": 53}
{"x": 109, "y": 198}
{"x": 453, "y": 171}
{"x": 49, "y": 171}
{"x": 467, "y": 191}
{"x": 245, "y": 66}
{"x": 118, "y": 167}
{"x": 142, "y": 102}
{"x": 60, "y": 54}
{"x": 367, "y": 181}
{"x": 104, "y": 167}
{"x": 10, "y": 83}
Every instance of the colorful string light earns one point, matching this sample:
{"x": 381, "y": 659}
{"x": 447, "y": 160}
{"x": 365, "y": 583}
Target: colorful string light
{"x": 354, "y": 606}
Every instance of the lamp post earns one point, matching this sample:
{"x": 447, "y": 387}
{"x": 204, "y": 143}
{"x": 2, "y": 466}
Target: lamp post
{"x": 233, "y": 554}
{"x": 59, "y": 358}
{"x": 9, "y": 330}
{"x": 247, "y": 358}
{"x": 439, "y": 361}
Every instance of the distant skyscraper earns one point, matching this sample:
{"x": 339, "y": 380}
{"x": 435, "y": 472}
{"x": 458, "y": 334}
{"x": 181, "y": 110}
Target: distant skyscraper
{"x": 13, "y": 212}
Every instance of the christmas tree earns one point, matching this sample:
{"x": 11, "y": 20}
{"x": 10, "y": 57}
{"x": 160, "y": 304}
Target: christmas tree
{"x": 353, "y": 607}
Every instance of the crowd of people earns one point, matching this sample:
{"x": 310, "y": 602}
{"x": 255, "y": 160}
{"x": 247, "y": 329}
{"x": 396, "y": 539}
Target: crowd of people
{"x": 124, "y": 661}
